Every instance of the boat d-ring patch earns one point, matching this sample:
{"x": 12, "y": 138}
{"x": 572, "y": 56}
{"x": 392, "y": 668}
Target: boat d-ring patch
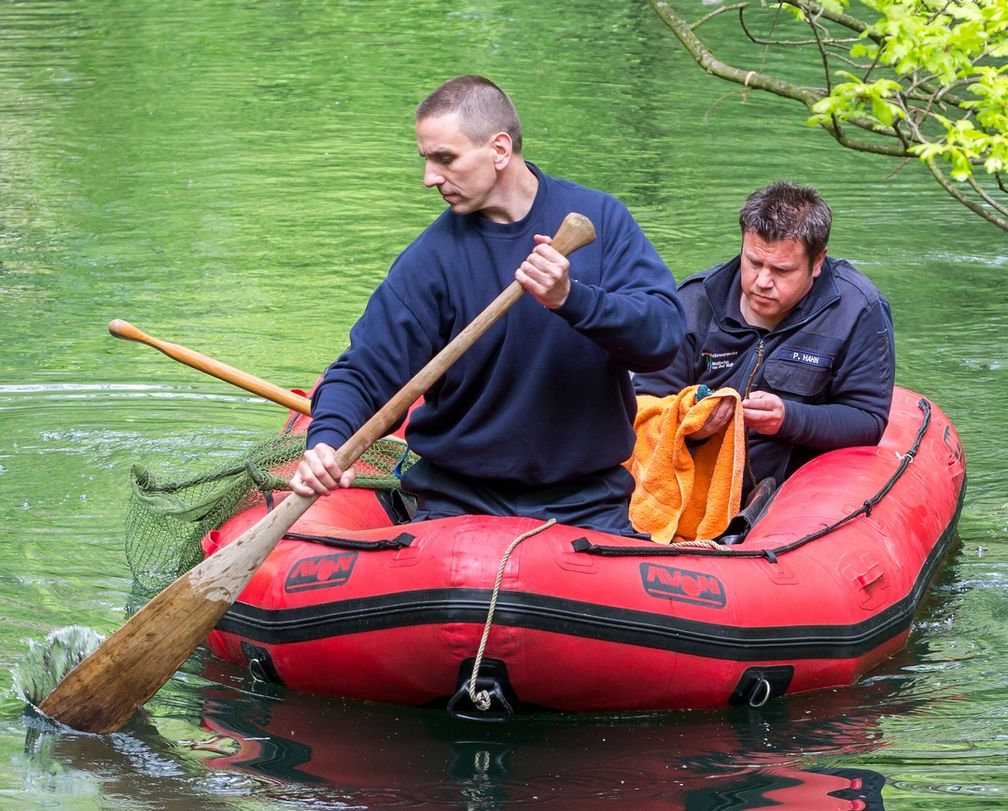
{"x": 260, "y": 663}
{"x": 760, "y": 693}
{"x": 758, "y": 685}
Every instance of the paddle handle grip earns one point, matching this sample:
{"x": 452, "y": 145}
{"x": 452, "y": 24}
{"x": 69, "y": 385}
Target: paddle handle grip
{"x": 229, "y": 374}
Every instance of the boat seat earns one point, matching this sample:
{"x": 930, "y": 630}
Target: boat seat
{"x": 398, "y": 505}
{"x": 747, "y": 517}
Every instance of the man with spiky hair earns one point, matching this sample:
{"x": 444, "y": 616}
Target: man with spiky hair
{"x": 805, "y": 339}
{"x": 537, "y": 417}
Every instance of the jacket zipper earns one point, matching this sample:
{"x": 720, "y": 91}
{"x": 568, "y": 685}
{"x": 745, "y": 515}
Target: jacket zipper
{"x": 748, "y": 389}
{"x": 756, "y": 368}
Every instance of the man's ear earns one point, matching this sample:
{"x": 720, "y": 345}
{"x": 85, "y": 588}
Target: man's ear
{"x": 502, "y": 147}
{"x": 817, "y": 264}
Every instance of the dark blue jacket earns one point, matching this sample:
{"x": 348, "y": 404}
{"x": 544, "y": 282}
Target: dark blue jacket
{"x": 831, "y": 360}
{"x": 545, "y": 396}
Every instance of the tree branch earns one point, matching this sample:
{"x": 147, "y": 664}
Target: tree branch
{"x": 832, "y": 41}
{"x": 843, "y": 139}
{"x": 1000, "y": 208}
{"x": 815, "y": 10}
{"x": 717, "y": 12}
{"x": 976, "y": 208}
{"x": 920, "y": 97}
{"x": 713, "y": 65}
{"x": 822, "y": 54}
{"x": 752, "y": 78}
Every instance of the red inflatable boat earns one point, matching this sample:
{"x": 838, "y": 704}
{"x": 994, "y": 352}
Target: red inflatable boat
{"x": 823, "y": 587}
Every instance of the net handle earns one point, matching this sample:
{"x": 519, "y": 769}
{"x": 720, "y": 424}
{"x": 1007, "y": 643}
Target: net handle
{"x": 229, "y": 374}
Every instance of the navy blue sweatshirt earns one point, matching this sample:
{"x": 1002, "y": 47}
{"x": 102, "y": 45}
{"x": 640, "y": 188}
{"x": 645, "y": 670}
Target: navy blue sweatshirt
{"x": 832, "y": 360}
{"x": 545, "y": 396}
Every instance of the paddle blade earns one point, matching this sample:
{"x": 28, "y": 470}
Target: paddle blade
{"x": 104, "y": 691}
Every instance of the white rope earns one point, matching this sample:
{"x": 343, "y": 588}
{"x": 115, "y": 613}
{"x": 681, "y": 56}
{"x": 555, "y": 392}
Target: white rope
{"x": 482, "y": 699}
{"x": 700, "y": 543}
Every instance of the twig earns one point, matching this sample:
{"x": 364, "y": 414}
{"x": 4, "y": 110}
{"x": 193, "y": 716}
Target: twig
{"x": 718, "y": 11}
{"x": 976, "y": 208}
{"x": 1001, "y": 208}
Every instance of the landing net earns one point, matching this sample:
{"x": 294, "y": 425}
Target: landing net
{"x": 166, "y": 520}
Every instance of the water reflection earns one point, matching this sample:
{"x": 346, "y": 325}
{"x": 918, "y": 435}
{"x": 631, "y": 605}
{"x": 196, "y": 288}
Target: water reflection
{"x": 659, "y": 761}
{"x": 320, "y": 752}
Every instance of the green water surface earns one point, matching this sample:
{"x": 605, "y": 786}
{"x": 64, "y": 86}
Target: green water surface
{"x": 237, "y": 178}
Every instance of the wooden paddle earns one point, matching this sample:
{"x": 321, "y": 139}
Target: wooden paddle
{"x": 104, "y": 691}
{"x": 266, "y": 390}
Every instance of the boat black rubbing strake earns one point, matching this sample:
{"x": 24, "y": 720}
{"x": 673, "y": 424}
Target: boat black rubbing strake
{"x": 585, "y": 620}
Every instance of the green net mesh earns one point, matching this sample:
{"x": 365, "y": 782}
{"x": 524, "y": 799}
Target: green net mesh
{"x": 166, "y": 520}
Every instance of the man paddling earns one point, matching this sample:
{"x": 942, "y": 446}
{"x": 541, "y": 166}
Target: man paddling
{"x": 537, "y": 417}
{"x": 807, "y": 340}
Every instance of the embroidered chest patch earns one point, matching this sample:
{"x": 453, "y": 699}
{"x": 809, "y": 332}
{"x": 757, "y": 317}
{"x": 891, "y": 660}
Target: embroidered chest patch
{"x": 719, "y": 360}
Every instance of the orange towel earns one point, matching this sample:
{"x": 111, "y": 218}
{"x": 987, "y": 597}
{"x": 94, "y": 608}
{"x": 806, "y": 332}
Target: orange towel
{"x": 683, "y": 496}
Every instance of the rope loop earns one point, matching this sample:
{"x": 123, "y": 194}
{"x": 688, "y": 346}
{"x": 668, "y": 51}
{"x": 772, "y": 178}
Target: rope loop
{"x": 482, "y": 699}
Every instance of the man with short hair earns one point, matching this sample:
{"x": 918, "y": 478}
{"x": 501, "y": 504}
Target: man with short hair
{"x": 806, "y": 340}
{"x": 537, "y": 417}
